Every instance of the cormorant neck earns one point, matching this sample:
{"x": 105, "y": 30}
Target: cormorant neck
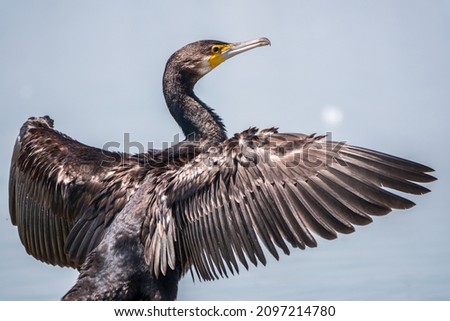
{"x": 196, "y": 119}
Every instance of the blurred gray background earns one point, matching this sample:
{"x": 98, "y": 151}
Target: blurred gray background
{"x": 374, "y": 73}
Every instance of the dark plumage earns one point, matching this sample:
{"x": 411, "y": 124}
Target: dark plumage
{"x": 134, "y": 224}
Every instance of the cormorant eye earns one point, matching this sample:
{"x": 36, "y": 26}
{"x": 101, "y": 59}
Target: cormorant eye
{"x": 215, "y": 49}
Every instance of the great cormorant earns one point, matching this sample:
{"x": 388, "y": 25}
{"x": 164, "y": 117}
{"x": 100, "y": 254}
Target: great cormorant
{"x": 134, "y": 224}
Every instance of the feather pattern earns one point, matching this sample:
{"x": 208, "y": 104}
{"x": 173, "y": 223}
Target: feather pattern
{"x": 64, "y": 194}
{"x": 265, "y": 188}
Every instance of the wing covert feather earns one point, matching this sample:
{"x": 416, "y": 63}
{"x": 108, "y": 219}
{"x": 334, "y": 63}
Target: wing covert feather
{"x": 263, "y": 187}
{"x": 53, "y": 180}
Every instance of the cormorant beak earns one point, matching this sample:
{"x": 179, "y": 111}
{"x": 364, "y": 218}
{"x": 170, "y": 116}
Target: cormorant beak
{"x": 222, "y": 52}
{"x": 240, "y": 47}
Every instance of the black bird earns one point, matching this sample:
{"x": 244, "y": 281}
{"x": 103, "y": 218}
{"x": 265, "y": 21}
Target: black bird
{"x": 134, "y": 224}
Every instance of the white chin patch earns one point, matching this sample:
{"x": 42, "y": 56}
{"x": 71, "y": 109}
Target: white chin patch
{"x": 204, "y": 67}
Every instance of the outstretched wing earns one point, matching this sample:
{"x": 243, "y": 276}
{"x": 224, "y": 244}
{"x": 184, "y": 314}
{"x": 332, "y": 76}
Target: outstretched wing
{"x": 53, "y": 179}
{"x": 262, "y": 187}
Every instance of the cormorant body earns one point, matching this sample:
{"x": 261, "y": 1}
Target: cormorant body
{"x": 133, "y": 225}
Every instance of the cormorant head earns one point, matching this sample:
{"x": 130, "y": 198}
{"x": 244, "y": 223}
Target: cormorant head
{"x": 196, "y": 59}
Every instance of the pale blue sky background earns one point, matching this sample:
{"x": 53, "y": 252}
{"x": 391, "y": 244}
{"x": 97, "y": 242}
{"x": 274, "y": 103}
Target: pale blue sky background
{"x": 381, "y": 67}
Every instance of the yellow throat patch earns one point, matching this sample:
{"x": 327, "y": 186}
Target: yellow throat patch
{"x": 216, "y": 55}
